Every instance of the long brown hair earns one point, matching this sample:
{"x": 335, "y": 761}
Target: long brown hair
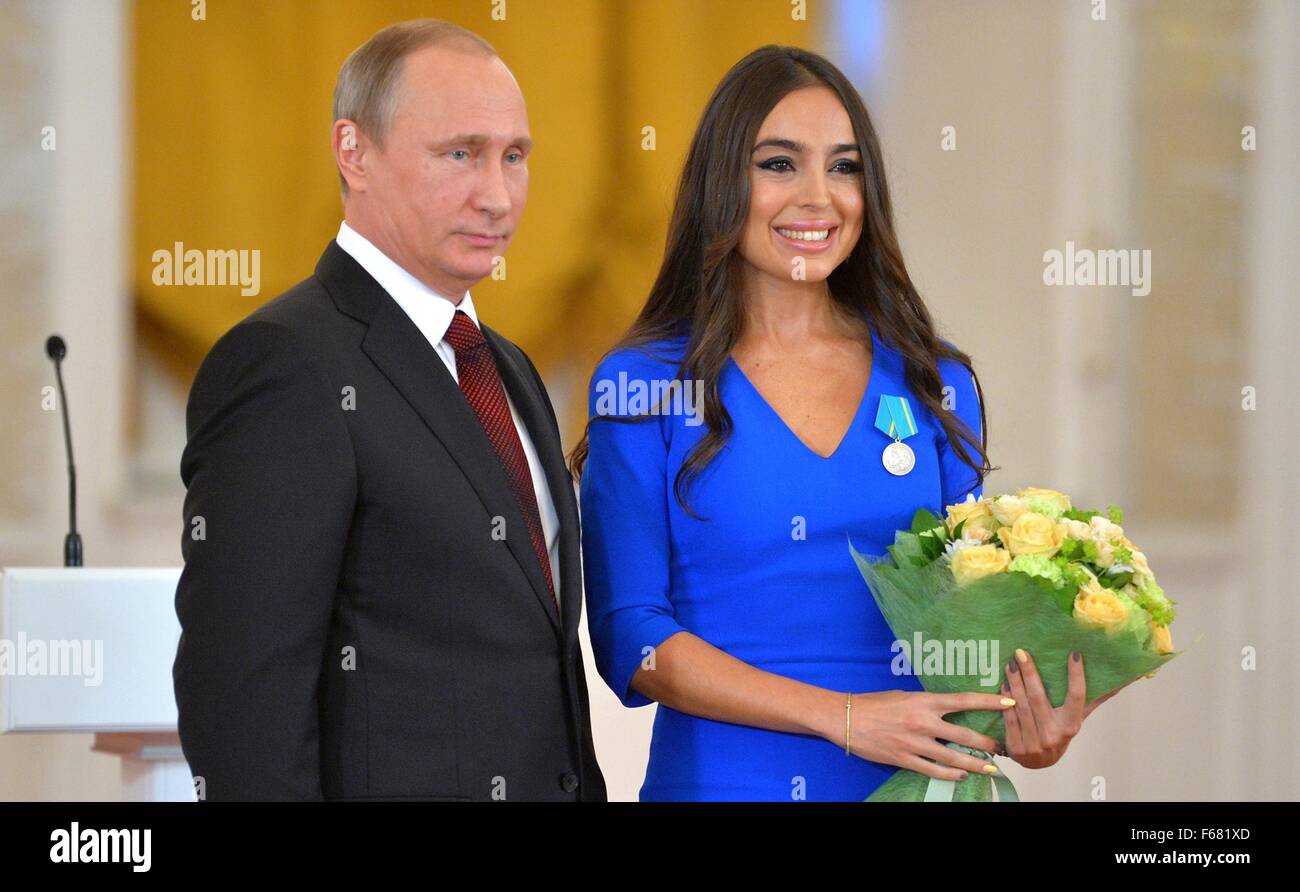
{"x": 696, "y": 293}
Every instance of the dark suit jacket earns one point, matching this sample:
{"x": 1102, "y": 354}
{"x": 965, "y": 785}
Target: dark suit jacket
{"x": 351, "y": 628}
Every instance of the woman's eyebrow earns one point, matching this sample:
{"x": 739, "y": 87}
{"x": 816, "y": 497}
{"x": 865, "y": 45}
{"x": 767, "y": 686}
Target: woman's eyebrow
{"x": 799, "y": 148}
{"x": 780, "y": 143}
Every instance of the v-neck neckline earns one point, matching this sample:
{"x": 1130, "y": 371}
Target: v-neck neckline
{"x": 853, "y": 423}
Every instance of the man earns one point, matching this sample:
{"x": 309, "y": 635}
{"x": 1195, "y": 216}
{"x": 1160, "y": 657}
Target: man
{"x": 382, "y": 578}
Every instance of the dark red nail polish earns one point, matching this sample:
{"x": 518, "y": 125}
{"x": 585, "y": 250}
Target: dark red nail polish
{"x": 1074, "y": 655}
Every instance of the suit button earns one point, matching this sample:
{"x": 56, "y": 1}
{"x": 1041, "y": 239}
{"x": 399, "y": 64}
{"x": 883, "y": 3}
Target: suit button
{"x": 568, "y": 782}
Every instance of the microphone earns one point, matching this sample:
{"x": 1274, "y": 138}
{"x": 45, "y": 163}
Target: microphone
{"x": 56, "y": 349}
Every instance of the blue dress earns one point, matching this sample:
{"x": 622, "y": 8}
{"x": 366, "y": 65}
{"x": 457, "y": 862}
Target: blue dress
{"x": 767, "y": 577}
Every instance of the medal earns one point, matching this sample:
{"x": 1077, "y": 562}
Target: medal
{"x": 898, "y": 458}
{"x": 894, "y": 417}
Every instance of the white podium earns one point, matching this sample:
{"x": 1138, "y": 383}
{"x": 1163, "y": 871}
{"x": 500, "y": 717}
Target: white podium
{"x": 90, "y": 650}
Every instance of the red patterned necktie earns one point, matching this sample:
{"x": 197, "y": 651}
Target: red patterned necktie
{"x": 481, "y": 383}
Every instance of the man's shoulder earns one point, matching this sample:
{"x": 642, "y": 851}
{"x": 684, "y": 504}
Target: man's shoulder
{"x": 300, "y": 327}
{"x": 304, "y": 308}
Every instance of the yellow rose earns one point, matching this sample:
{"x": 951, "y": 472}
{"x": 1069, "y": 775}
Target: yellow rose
{"x": 976, "y": 561}
{"x": 1098, "y": 606}
{"x": 1032, "y": 533}
{"x": 1006, "y": 509}
{"x": 1163, "y": 640}
{"x": 1051, "y": 496}
{"x": 977, "y": 515}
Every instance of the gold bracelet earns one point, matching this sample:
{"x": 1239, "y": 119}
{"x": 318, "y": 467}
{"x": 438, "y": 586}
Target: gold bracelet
{"x": 848, "y": 722}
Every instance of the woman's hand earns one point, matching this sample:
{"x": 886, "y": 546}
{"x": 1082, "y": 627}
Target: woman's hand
{"x": 903, "y": 728}
{"x": 1037, "y": 732}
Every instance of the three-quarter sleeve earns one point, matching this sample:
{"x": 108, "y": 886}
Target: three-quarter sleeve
{"x": 626, "y": 550}
{"x": 956, "y": 476}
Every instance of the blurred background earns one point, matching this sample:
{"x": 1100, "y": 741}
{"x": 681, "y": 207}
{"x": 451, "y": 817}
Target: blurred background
{"x": 1010, "y": 129}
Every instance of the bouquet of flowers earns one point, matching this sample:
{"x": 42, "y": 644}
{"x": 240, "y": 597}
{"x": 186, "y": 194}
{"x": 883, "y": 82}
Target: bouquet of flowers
{"x": 1026, "y": 570}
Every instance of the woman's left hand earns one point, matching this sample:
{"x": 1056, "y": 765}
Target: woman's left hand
{"x": 1037, "y": 732}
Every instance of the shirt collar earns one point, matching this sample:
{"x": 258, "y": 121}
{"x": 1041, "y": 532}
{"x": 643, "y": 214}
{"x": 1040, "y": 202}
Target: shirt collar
{"x": 431, "y": 311}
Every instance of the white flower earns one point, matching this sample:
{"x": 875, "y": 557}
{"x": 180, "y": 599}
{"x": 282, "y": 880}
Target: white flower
{"x": 956, "y": 545}
{"x": 1140, "y": 566}
{"x": 1105, "y": 554}
{"x": 1077, "y": 529}
{"x": 1104, "y": 529}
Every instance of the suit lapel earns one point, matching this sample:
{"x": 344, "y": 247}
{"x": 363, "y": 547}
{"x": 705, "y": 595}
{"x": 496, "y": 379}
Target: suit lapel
{"x": 519, "y": 383}
{"x": 401, "y": 352}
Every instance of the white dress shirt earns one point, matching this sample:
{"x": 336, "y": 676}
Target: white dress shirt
{"x": 432, "y": 313}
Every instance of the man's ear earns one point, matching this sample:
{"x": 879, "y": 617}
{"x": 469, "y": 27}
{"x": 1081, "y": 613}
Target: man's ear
{"x": 350, "y": 148}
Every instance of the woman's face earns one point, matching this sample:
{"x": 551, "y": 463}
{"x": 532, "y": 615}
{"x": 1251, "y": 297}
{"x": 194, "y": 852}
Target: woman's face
{"x": 805, "y": 178}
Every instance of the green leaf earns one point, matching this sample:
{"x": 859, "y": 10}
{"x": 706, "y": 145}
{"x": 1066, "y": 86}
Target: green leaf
{"x": 895, "y": 556}
{"x": 1065, "y": 598}
{"x": 1072, "y": 550}
{"x": 1115, "y": 580}
{"x": 923, "y": 520}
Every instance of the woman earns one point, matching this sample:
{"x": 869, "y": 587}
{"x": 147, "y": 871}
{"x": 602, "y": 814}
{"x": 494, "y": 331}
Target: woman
{"x": 718, "y": 576}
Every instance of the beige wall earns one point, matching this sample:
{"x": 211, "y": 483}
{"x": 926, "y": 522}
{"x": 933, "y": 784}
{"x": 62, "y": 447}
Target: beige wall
{"x": 63, "y": 249}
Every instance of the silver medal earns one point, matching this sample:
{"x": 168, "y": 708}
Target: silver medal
{"x": 898, "y": 458}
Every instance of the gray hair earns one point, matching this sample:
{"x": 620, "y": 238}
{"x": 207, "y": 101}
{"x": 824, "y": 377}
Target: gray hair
{"x": 367, "y": 88}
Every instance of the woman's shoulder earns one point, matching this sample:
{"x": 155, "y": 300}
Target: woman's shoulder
{"x": 959, "y": 388}
{"x": 954, "y": 372}
{"x": 956, "y": 380}
{"x": 654, "y": 360}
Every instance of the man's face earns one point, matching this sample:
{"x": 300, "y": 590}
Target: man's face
{"x": 445, "y": 193}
